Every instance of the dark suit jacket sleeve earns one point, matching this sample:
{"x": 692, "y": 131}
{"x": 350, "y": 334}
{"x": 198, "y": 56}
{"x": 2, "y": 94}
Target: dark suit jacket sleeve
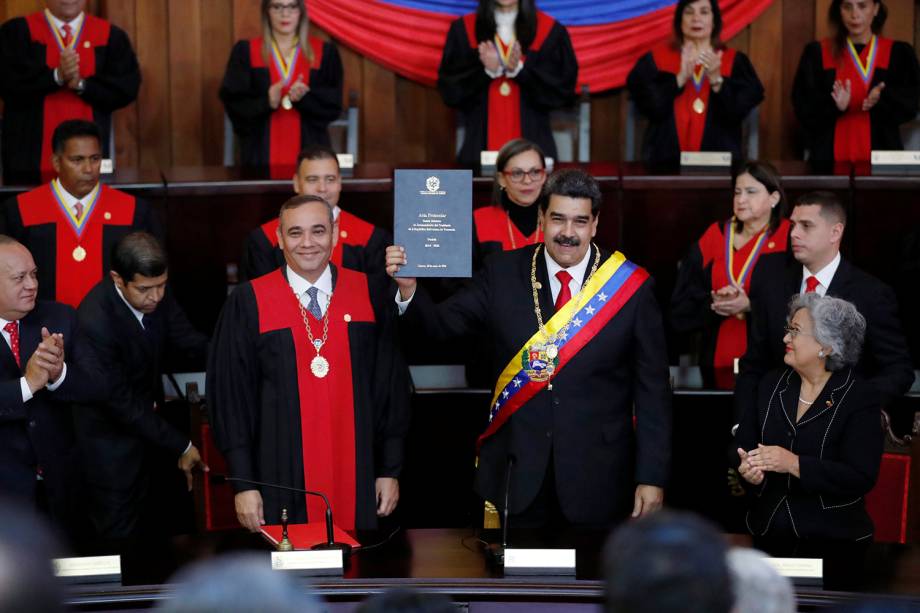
{"x": 118, "y": 80}
{"x": 887, "y": 346}
{"x": 860, "y": 451}
{"x": 188, "y": 348}
{"x": 84, "y": 382}
{"x": 12, "y": 408}
{"x": 652, "y": 392}
{"x": 124, "y": 404}
{"x": 755, "y": 363}
{"x": 464, "y": 313}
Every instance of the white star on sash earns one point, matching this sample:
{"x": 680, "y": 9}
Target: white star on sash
{"x": 602, "y": 297}
{"x": 589, "y": 310}
{"x": 505, "y": 394}
{"x": 577, "y": 322}
{"x": 516, "y": 383}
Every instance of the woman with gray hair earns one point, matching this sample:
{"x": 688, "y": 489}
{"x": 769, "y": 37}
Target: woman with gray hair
{"x": 811, "y": 448}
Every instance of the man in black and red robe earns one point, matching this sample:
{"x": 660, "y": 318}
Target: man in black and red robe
{"x": 360, "y": 245}
{"x": 59, "y": 64}
{"x": 72, "y": 223}
{"x": 306, "y": 387}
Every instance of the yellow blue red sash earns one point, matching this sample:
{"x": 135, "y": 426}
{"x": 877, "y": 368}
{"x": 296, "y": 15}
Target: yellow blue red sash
{"x": 285, "y": 66}
{"x": 602, "y": 297}
{"x": 748, "y": 266}
{"x": 865, "y": 70}
{"x": 57, "y": 35}
{"x": 89, "y": 203}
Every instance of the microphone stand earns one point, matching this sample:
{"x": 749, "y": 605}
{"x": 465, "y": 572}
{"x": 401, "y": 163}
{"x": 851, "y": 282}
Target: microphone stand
{"x": 330, "y": 535}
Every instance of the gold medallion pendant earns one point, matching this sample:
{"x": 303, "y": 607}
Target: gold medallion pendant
{"x": 79, "y": 254}
{"x": 504, "y": 89}
{"x": 319, "y": 366}
{"x": 699, "y": 106}
{"x": 552, "y": 351}
{"x": 286, "y": 103}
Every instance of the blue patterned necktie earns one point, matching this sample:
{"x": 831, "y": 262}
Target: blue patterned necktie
{"x": 313, "y": 305}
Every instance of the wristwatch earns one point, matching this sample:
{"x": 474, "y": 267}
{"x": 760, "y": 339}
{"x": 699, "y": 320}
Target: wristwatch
{"x": 81, "y": 85}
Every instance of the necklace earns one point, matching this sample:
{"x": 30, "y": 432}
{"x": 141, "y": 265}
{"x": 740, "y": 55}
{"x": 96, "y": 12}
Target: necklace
{"x": 511, "y": 233}
{"x": 319, "y": 365}
{"x": 805, "y": 402}
{"x": 551, "y": 347}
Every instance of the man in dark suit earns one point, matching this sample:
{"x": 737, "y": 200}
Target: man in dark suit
{"x": 818, "y": 222}
{"x": 39, "y": 379}
{"x": 580, "y": 363}
{"x": 132, "y": 323}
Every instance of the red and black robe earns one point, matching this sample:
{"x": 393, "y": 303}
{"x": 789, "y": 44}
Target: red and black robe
{"x": 490, "y": 118}
{"x": 34, "y": 104}
{"x": 503, "y": 227}
{"x": 71, "y": 261}
{"x": 851, "y": 136}
{"x": 724, "y": 339}
{"x": 361, "y": 247}
{"x": 674, "y": 125}
{"x": 274, "y": 421}
{"x": 273, "y": 138}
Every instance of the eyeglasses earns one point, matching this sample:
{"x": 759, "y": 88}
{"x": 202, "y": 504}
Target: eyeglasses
{"x": 283, "y": 8}
{"x": 517, "y": 175}
{"x": 794, "y": 332}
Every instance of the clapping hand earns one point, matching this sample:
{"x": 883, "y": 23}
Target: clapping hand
{"x": 274, "y": 94}
{"x": 515, "y": 57}
{"x": 298, "y": 90}
{"x": 730, "y": 300}
{"x": 841, "y": 94}
{"x": 873, "y": 97}
{"x": 752, "y": 475}
{"x": 712, "y": 64}
{"x": 488, "y": 55}
{"x": 688, "y": 62}
{"x": 69, "y": 70}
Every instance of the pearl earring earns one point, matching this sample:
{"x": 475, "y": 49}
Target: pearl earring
{"x": 821, "y": 353}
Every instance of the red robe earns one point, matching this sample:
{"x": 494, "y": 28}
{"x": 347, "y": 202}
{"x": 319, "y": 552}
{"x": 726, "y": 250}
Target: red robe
{"x": 494, "y": 226}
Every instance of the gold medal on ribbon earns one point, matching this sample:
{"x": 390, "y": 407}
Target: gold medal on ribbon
{"x": 552, "y": 351}
{"x": 319, "y": 366}
{"x": 504, "y": 89}
{"x": 79, "y": 254}
{"x": 286, "y": 103}
{"x": 699, "y": 106}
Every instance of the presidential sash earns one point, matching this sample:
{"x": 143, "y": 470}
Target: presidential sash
{"x": 544, "y": 355}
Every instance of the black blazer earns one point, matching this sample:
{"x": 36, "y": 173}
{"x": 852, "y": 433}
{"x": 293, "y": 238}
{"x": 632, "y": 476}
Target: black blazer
{"x": 39, "y": 433}
{"x": 885, "y": 362}
{"x": 839, "y": 442}
{"x": 586, "y": 420}
{"x": 114, "y": 434}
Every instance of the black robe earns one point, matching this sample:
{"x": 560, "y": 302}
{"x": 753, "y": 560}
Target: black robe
{"x": 654, "y": 91}
{"x": 817, "y": 112}
{"x": 244, "y": 92}
{"x": 25, "y": 80}
{"x": 254, "y": 402}
{"x": 547, "y": 82}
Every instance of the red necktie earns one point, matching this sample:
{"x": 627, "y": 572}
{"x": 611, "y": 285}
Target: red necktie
{"x": 12, "y": 328}
{"x": 68, "y": 34}
{"x": 565, "y": 294}
{"x": 811, "y": 283}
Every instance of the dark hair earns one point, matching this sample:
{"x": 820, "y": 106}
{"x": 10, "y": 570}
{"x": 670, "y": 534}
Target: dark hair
{"x": 525, "y": 26}
{"x": 510, "y": 149}
{"x": 6, "y": 239}
{"x": 840, "y": 29}
{"x": 573, "y": 183}
{"x": 402, "y": 600}
{"x": 301, "y": 199}
{"x": 139, "y": 253}
{"x": 831, "y": 206}
{"x": 317, "y": 152}
{"x": 714, "y": 39}
{"x": 767, "y": 175}
{"x": 27, "y": 546}
{"x": 73, "y": 128}
{"x": 667, "y": 562}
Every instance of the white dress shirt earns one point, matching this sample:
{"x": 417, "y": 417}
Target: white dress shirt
{"x": 323, "y": 284}
{"x": 70, "y": 201}
{"x": 139, "y": 315}
{"x": 824, "y": 276}
{"x": 23, "y": 384}
{"x": 577, "y": 272}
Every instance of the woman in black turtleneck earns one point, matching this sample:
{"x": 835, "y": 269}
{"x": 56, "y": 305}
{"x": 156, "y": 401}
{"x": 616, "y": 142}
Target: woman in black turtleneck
{"x": 511, "y": 221}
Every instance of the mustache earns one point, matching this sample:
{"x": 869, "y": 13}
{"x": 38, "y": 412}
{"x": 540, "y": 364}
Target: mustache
{"x": 567, "y": 241}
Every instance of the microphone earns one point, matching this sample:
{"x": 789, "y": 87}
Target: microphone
{"x": 496, "y": 553}
{"x": 330, "y": 536}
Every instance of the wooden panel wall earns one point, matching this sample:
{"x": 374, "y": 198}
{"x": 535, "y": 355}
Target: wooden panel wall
{"x": 183, "y": 46}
